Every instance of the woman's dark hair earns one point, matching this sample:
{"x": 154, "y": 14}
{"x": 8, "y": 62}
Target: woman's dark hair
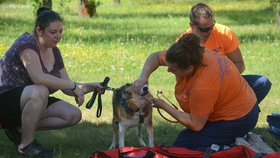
{"x": 44, "y": 17}
{"x": 186, "y": 52}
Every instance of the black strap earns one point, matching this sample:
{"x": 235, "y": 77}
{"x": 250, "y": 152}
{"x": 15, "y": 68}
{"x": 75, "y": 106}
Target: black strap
{"x": 93, "y": 97}
{"x": 207, "y": 153}
{"x": 99, "y": 107}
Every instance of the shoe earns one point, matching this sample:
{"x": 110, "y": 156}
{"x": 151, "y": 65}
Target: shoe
{"x": 13, "y": 135}
{"x": 36, "y": 150}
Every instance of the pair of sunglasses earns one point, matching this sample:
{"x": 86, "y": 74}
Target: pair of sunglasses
{"x": 207, "y": 29}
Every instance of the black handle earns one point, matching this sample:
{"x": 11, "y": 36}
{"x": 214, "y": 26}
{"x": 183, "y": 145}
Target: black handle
{"x": 105, "y": 82}
{"x": 93, "y": 97}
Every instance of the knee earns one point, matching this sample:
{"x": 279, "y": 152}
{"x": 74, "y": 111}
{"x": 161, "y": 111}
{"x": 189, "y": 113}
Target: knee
{"x": 265, "y": 81}
{"x": 263, "y": 84}
{"x": 39, "y": 95}
{"x": 74, "y": 116}
{"x": 39, "y": 92}
{"x": 78, "y": 117}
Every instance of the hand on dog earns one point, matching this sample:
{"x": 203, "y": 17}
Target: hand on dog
{"x": 155, "y": 102}
{"x": 159, "y": 103}
{"x": 150, "y": 98}
{"x": 138, "y": 85}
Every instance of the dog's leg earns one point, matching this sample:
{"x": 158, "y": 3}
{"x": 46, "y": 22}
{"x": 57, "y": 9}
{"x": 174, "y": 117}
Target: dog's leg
{"x": 122, "y": 130}
{"x": 150, "y": 131}
{"x": 115, "y": 134}
{"x": 139, "y": 135}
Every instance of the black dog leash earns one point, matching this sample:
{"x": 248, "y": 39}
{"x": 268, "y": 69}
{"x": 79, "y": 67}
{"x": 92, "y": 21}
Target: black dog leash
{"x": 93, "y": 97}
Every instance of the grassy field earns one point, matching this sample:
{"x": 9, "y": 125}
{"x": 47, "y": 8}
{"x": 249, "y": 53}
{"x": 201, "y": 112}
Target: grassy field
{"x": 116, "y": 44}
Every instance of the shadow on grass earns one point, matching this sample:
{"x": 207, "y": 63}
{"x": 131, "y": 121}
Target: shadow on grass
{"x": 96, "y": 31}
{"x": 237, "y": 17}
{"x": 240, "y": 17}
{"x": 85, "y": 138}
{"x": 248, "y": 17}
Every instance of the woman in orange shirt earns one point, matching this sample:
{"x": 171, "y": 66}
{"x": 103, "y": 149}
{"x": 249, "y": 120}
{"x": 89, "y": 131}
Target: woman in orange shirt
{"x": 203, "y": 76}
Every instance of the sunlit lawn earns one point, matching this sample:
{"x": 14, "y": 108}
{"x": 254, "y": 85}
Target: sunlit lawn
{"x": 116, "y": 44}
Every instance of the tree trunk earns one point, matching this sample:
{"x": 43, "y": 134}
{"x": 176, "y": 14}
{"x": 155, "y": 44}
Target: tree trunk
{"x": 86, "y": 9}
{"x": 117, "y": 1}
{"x": 47, "y": 3}
{"x": 82, "y": 8}
{"x": 278, "y": 19}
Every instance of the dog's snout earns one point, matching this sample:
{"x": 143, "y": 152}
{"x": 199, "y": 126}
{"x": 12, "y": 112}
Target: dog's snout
{"x": 144, "y": 90}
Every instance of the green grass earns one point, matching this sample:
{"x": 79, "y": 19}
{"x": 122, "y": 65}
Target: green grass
{"x": 116, "y": 44}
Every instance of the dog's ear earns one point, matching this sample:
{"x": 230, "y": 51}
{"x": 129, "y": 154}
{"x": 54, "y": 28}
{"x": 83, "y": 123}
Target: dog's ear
{"x": 127, "y": 84}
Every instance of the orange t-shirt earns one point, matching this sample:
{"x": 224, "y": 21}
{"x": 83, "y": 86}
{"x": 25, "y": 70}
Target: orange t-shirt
{"x": 221, "y": 39}
{"x": 216, "y": 89}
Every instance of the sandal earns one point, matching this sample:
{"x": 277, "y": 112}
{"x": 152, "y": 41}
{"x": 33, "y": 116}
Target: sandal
{"x": 35, "y": 149}
{"x": 13, "y": 135}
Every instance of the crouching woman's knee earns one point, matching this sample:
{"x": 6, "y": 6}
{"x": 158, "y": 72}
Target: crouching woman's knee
{"x": 35, "y": 96}
{"x": 74, "y": 115}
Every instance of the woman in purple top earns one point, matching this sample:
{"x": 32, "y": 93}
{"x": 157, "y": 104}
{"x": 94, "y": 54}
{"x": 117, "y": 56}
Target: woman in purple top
{"x": 30, "y": 71}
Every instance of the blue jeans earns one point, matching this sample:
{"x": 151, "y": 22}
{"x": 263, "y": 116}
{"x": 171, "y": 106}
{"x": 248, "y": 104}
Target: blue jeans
{"x": 260, "y": 85}
{"x": 221, "y": 132}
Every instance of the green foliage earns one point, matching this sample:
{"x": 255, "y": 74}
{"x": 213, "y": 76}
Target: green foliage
{"x": 275, "y": 5}
{"x": 39, "y": 3}
{"x": 116, "y": 44}
{"x": 35, "y": 5}
{"x": 92, "y": 6}
{"x": 93, "y": 3}
{"x": 13, "y": 1}
{"x": 64, "y": 5}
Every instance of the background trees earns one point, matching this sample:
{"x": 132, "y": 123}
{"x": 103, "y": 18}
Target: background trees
{"x": 276, "y": 6}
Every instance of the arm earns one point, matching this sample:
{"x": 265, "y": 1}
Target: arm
{"x": 31, "y": 62}
{"x": 85, "y": 87}
{"x": 195, "y": 123}
{"x": 237, "y": 59}
{"x": 151, "y": 64}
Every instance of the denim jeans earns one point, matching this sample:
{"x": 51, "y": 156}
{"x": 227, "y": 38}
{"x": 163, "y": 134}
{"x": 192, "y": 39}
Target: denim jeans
{"x": 260, "y": 85}
{"x": 220, "y": 132}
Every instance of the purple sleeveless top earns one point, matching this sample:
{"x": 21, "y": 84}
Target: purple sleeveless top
{"x": 12, "y": 72}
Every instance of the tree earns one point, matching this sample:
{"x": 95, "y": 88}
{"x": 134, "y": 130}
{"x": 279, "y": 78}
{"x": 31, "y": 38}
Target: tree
{"x": 116, "y": 1}
{"x": 276, "y": 6}
{"x": 39, "y": 3}
{"x": 88, "y": 7}
{"x": 47, "y": 3}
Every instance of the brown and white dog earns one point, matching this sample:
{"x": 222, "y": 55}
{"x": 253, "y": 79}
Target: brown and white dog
{"x": 131, "y": 110}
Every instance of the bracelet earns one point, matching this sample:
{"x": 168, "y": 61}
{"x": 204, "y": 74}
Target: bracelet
{"x": 75, "y": 85}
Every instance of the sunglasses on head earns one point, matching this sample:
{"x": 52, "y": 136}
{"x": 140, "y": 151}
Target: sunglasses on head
{"x": 207, "y": 29}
